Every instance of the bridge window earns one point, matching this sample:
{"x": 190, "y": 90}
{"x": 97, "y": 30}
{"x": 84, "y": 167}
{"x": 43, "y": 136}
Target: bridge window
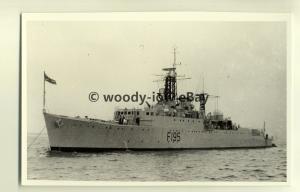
{"x": 129, "y": 112}
{"x": 152, "y": 113}
{"x": 147, "y": 113}
{"x": 122, "y": 113}
{"x": 125, "y": 112}
{"x": 138, "y": 113}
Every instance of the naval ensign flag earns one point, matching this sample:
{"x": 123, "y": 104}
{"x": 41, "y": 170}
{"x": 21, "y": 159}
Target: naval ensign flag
{"x": 49, "y": 80}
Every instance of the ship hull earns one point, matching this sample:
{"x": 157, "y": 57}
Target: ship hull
{"x": 82, "y": 134}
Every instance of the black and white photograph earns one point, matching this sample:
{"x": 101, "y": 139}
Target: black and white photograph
{"x": 157, "y": 98}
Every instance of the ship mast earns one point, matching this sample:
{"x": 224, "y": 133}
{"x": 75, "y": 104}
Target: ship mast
{"x": 203, "y": 100}
{"x": 170, "y": 90}
{"x": 174, "y": 63}
{"x": 170, "y": 80}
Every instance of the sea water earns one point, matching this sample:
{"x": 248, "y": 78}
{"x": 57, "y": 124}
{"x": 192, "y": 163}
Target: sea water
{"x": 267, "y": 164}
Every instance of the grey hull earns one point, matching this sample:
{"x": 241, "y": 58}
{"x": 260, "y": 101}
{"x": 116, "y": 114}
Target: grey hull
{"x": 161, "y": 133}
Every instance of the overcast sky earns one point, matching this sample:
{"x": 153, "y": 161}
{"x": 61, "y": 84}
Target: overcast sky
{"x": 242, "y": 62}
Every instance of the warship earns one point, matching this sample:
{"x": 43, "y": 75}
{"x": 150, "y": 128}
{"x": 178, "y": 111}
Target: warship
{"x": 173, "y": 122}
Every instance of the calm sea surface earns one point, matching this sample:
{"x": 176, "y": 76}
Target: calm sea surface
{"x": 182, "y": 165}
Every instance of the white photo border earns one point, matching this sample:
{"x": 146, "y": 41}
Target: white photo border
{"x": 150, "y": 16}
